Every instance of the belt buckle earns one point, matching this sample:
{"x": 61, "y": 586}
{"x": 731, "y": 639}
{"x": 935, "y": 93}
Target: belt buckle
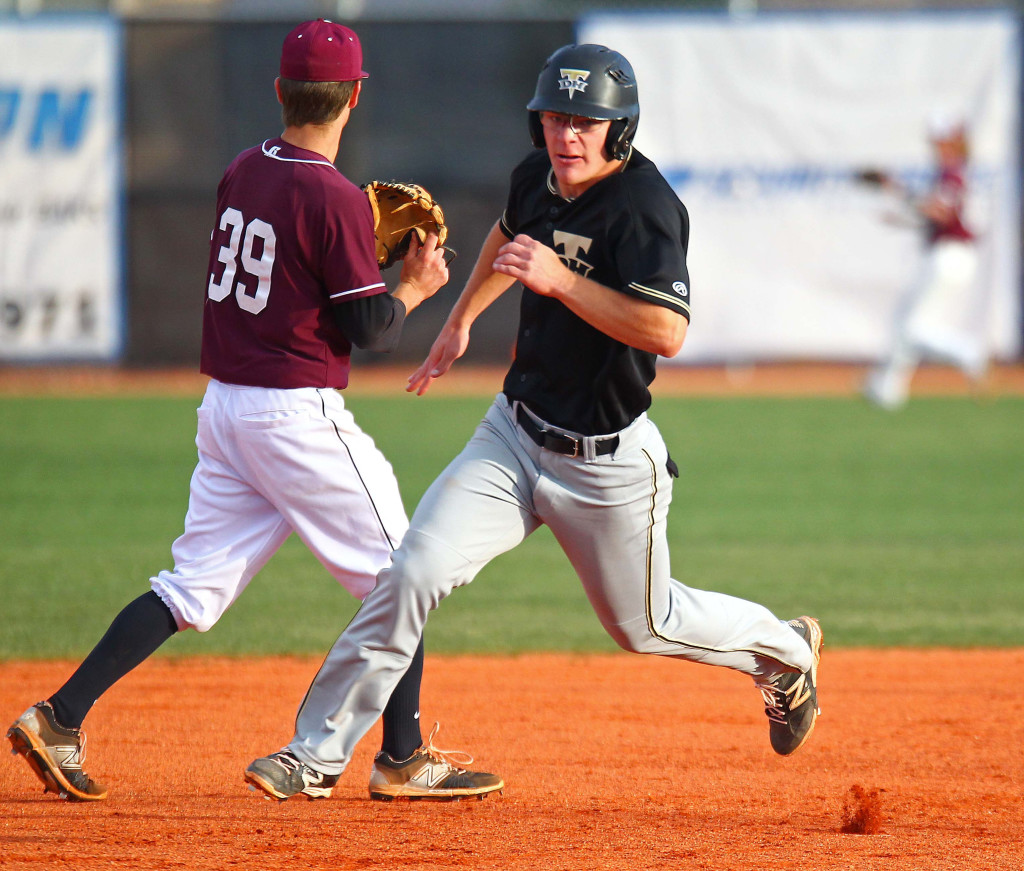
{"x": 575, "y": 446}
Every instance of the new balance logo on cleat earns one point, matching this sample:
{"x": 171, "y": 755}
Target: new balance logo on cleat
{"x": 429, "y": 774}
{"x": 432, "y": 774}
{"x": 791, "y": 700}
{"x": 54, "y": 753}
{"x": 800, "y": 692}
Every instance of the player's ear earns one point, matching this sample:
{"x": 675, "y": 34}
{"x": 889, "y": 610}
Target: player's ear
{"x": 354, "y": 100}
{"x": 277, "y": 90}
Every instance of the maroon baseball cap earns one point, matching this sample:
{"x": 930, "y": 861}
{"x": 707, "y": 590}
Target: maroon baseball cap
{"x": 322, "y": 51}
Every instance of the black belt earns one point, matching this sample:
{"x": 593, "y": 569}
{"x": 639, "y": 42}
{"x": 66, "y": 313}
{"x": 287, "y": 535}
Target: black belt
{"x": 559, "y": 442}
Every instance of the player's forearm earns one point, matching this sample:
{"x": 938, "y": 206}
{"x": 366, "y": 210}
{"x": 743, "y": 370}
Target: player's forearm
{"x": 373, "y": 323}
{"x": 411, "y": 294}
{"x": 484, "y": 285}
{"x": 626, "y": 319}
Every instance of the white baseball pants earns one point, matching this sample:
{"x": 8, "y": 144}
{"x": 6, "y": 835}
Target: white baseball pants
{"x": 273, "y": 462}
{"x": 943, "y": 319}
{"x": 609, "y": 515}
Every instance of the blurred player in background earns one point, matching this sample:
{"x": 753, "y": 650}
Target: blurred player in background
{"x": 932, "y": 322}
{"x": 293, "y": 284}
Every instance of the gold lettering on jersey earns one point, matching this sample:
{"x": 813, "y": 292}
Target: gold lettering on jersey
{"x": 573, "y": 247}
{"x": 573, "y": 81}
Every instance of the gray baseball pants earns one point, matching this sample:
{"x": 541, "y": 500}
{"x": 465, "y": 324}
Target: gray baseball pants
{"x": 609, "y": 515}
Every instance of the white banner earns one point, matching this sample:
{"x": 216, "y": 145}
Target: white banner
{"x": 760, "y": 123}
{"x": 60, "y": 189}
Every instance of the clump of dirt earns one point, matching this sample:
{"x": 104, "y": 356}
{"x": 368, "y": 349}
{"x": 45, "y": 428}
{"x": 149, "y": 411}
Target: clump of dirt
{"x": 862, "y": 811}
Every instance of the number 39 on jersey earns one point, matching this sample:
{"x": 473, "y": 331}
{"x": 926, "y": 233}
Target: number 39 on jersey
{"x": 241, "y": 252}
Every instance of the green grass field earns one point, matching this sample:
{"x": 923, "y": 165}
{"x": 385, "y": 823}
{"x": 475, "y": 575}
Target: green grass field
{"x": 894, "y": 529}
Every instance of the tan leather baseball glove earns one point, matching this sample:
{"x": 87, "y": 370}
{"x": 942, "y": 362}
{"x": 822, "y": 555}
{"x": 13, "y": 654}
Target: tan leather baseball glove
{"x": 399, "y": 210}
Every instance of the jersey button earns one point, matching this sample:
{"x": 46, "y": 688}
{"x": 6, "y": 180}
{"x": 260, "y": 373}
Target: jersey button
{"x": 553, "y": 211}
{"x": 549, "y": 226}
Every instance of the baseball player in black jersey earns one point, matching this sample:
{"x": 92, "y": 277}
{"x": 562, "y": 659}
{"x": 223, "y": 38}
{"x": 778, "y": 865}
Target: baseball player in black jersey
{"x": 598, "y": 240}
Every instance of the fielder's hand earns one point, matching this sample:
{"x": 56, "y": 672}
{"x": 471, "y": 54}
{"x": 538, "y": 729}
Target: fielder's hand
{"x": 424, "y": 272}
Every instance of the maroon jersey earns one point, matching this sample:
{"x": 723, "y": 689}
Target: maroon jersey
{"x": 293, "y": 237}
{"x": 951, "y": 189}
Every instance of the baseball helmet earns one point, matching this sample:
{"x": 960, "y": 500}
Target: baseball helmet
{"x": 589, "y": 81}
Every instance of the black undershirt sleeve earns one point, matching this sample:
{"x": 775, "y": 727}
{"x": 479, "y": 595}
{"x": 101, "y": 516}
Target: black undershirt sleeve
{"x": 373, "y": 323}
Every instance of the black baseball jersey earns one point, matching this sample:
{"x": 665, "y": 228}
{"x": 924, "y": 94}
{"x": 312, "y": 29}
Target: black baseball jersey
{"x": 628, "y": 232}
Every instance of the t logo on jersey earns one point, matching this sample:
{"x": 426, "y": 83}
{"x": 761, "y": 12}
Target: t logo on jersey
{"x": 572, "y": 247}
{"x": 573, "y": 81}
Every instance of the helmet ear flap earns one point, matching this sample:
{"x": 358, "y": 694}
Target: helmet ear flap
{"x": 536, "y": 129}
{"x": 620, "y": 137}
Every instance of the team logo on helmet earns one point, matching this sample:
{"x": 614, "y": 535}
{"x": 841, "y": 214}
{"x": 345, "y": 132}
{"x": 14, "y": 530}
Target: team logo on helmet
{"x": 573, "y": 81}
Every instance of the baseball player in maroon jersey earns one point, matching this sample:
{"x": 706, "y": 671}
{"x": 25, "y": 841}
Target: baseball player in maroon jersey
{"x": 930, "y": 322}
{"x": 598, "y": 240}
{"x": 293, "y": 284}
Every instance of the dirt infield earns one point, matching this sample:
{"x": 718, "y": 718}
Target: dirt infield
{"x": 611, "y": 762}
{"x": 798, "y": 379}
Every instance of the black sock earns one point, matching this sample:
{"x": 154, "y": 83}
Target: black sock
{"x": 140, "y": 628}
{"x": 401, "y": 717}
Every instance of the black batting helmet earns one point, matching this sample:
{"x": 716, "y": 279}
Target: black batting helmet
{"x": 590, "y": 81}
